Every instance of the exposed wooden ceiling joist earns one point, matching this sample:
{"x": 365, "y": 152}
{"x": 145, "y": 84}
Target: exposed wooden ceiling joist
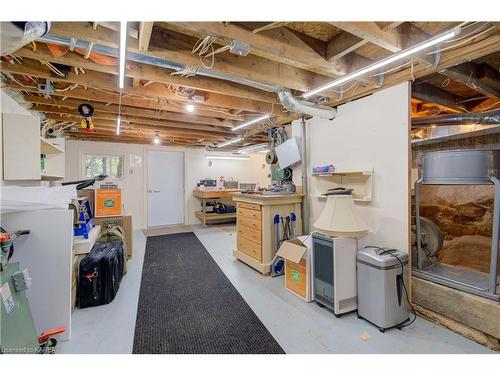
{"x": 91, "y": 94}
{"x": 345, "y": 42}
{"x": 135, "y": 111}
{"x": 152, "y": 73}
{"x": 155, "y": 91}
{"x": 478, "y": 47}
{"x": 145, "y": 29}
{"x": 277, "y": 45}
{"x": 481, "y": 78}
{"x": 432, "y": 94}
{"x": 177, "y": 47}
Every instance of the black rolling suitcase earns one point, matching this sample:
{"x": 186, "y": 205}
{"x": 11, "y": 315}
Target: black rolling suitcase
{"x": 100, "y": 274}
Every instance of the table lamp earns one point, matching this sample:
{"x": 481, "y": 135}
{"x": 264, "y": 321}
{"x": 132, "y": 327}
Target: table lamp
{"x": 340, "y": 218}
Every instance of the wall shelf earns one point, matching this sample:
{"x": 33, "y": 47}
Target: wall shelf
{"x": 47, "y": 147}
{"x": 49, "y": 177}
{"x": 324, "y": 197}
{"x": 360, "y": 181}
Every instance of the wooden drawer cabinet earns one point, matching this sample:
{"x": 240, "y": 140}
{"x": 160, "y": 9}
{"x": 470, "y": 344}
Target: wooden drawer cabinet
{"x": 254, "y": 235}
{"x": 250, "y": 214}
{"x": 249, "y": 206}
{"x": 255, "y": 224}
{"x": 250, "y": 248}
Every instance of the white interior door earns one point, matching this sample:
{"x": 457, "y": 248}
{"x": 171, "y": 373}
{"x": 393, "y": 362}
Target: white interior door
{"x": 165, "y": 188}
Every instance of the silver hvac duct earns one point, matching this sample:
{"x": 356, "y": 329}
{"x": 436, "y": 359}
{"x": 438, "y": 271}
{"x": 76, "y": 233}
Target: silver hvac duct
{"x": 287, "y": 100}
{"x": 153, "y": 60}
{"x": 292, "y": 104}
{"x": 480, "y": 118}
{"x": 14, "y": 35}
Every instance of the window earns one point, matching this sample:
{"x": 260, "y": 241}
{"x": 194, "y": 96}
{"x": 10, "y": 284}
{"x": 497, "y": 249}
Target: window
{"x": 110, "y": 165}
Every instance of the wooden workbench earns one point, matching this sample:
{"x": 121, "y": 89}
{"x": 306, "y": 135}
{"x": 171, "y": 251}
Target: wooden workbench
{"x": 255, "y": 238}
{"x": 209, "y": 195}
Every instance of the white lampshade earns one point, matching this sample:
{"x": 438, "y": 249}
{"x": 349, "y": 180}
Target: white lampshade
{"x": 340, "y": 218}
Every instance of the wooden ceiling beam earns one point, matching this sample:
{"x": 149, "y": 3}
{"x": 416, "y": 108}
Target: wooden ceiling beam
{"x": 345, "y": 42}
{"x": 209, "y": 122}
{"x": 431, "y": 94}
{"x": 145, "y": 29}
{"x": 147, "y": 123}
{"x": 178, "y": 49}
{"x": 276, "y": 45}
{"x": 92, "y": 95}
{"x": 134, "y": 140}
{"x": 106, "y": 125}
{"x": 109, "y": 135}
{"x": 478, "y": 77}
{"x": 103, "y": 125}
{"x": 477, "y": 48}
{"x": 152, "y": 124}
{"x": 282, "y": 46}
{"x": 152, "y": 73}
{"x": 485, "y": 105}
{"x": 371, "y": 32}
{"x": 156, "y": 91}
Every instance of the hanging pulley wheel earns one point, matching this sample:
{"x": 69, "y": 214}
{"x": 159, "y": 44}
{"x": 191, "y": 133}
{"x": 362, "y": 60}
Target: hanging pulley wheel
{"x": 271, "y": 157}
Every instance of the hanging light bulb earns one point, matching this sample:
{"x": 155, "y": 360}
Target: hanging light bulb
{"x": 190, "y": 107}
{"x": 156, "y": 139}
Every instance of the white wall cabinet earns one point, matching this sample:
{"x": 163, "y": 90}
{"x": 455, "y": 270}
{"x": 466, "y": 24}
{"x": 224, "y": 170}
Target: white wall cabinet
{"x": 21, "y": 147}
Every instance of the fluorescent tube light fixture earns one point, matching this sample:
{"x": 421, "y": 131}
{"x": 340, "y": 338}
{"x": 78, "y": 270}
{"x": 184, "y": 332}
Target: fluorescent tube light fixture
{"x": 226, "y": 157}
{"x": 231, "y": 141}
{"x": 388, "y": 60}
{"x": 123, "y": 51}
{"x": 254, "y": 148}
{"x": 250, "y": 122}
{"x": 118, "y": 124}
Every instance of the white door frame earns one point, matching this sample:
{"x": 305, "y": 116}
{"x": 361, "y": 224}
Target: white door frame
{"x": 146, "y": 179}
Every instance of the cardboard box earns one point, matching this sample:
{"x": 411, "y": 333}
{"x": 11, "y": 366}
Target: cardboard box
{"x": 298, "y": 266}
{"x": 108, "y": 202}
{"x": 125, "y": 222}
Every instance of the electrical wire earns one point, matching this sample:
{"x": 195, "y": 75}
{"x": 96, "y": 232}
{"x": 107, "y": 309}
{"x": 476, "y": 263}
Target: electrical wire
{"x": 463, "y": 42}
{"x": 202, "y": 48}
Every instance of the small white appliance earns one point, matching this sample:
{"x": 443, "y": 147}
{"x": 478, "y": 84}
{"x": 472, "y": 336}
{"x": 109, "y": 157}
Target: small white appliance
{"x": 334, "y": 272}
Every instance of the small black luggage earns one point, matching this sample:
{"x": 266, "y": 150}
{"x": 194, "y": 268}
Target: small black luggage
{"x": 100, "y": 274}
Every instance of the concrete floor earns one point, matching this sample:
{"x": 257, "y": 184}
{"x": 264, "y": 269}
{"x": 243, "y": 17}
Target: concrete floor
{"x": 297, "y": 326}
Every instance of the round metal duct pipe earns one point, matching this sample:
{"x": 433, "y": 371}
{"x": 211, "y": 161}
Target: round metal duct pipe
{"x": 480, "y": 118}
{"x": 288, "y": 101}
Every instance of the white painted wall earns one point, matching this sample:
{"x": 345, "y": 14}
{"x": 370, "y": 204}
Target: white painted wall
{"x": 134, "y": 183}
{"x": 369, "y": 133}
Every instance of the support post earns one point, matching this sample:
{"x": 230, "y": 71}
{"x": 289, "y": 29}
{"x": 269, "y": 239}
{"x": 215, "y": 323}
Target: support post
{"x": 495, "y": 237}
{"x": 417, "y": 222}
{"x": 305, "y": 180}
